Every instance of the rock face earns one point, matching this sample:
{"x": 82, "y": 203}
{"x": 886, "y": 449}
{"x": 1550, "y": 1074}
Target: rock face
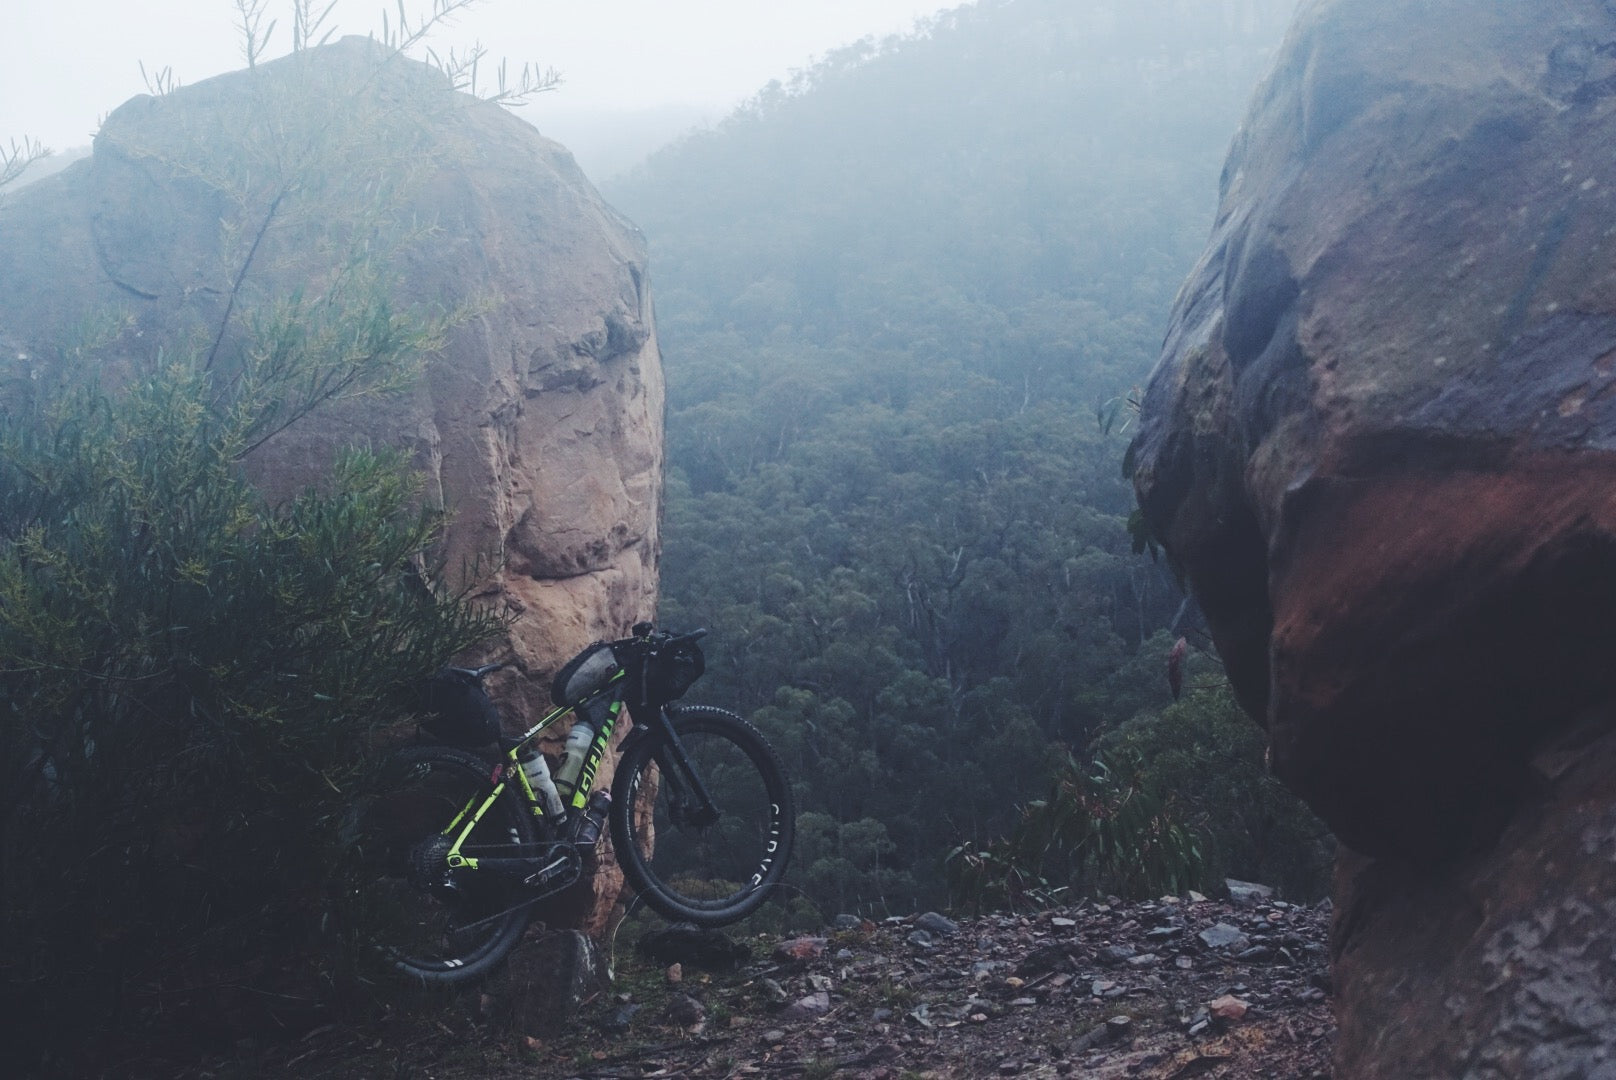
{"x": 1498, "y": 963}
{"x": 1380, "y": 445}
{"x": 539, "y": 423}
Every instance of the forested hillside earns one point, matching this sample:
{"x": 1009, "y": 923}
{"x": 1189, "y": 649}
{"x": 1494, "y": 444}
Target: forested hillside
{"x": 902, "y": 301}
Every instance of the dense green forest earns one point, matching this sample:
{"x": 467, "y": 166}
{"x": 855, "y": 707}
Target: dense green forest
{"x": 903, "y": 300}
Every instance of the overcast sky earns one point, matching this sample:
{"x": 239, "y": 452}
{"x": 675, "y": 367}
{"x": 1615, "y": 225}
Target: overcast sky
{"x": 70, "y": 62}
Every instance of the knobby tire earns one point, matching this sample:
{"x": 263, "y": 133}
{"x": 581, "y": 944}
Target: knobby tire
{"x": 458, "y": 930}
{"x": 709, "y": 874}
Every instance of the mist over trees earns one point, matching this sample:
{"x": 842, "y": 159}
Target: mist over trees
{"x": 902, "y": 300}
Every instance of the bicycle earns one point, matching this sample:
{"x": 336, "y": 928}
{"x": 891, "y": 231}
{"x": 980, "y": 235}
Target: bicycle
{"x": 464, "y": 845}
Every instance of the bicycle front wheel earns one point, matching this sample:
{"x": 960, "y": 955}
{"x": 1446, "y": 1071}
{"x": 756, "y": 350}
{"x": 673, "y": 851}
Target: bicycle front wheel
{"x": 441, "y": 926}
{"x": 708, "y": 865}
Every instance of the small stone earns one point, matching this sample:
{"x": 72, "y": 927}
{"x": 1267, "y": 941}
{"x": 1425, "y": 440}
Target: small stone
{"x": 1022, "y": 1002}
{"x": 774, "y": 1035}
{"x": 844, "y": 955}
{"x": 1062, "y": 923}
{"x": 675, "y": 973}
{"x": 1246, "y": 892}
{"x": 1255, "y": 954}
{"x": 1119, "y": 1027}
{"x": 1224, "y": 936}
{"x": 1183, "y": 963}
{"x": 619, "y": 1019}
{"x": 1113, "y": 955}
{"x": 1009, "y": 1068}
{"x": 920, "y": 939}
{"x": 1143, "y": 960}
{"x": 800, "y": 950}
{"x": 1042, "y": 959}
{"x": 685, "y": 1011}
{"x": 933, "y": 923}
{"x": 979, "y": 1018}
{"x": 1199, "y": 1026}
{"x": 821, "y": 982}
{"x": 881, "y": 1015}
{"x": 815, "y": 1004}
{"x": 1196, "y": 898}
{"x": 1227, "y": 1007}
{"x": 774, "y": 990}
{"x": 882, "y": 1052}
{"x": 828, "y": 1042}
{"x": 1101, "y": 987}
{"x": 847, "y": 922}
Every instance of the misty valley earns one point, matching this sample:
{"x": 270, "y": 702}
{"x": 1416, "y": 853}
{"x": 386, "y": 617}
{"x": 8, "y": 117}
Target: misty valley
{"x": 1006, "y": 498}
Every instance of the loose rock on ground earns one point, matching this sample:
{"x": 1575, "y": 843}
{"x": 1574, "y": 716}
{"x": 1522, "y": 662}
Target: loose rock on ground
{"x": 1046, "y": 994}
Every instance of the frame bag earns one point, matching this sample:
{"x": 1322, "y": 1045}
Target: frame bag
{"x": 584, "y": 674}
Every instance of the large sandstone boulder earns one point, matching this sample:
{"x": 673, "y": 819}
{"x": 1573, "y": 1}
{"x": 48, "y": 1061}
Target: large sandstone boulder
{"x": 1379, "y": 439}
{"x": 539, "y": 423}
{"x": 1379, "y": 443}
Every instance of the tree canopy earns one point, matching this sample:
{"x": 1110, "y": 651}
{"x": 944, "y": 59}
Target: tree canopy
{"x": 902, "y": 301}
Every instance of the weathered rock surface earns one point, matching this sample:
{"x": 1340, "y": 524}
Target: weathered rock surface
{"x": 548, "y": 979}
{"x": 1380, "y": 444}
{"x": 539, "y": 426}
{"x": 1380, "y": 437}
{"x": 1499, "y": 965}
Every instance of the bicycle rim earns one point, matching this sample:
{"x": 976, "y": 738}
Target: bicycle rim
{"x": 707, "y": 872}
{"x": 442, "y": 926}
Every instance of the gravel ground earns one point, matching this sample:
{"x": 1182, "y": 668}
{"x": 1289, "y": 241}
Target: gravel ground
{"x": 1161, "y": 990}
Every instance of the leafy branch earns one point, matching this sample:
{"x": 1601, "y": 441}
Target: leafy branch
{"x": 15, "y": 157}
{"x": 463, "y": 71}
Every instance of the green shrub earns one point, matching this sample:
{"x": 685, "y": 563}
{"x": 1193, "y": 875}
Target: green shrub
{"x": 1100, "y": 831}
{"x": 1209, "y": 754}
{"x": 192, "y": 678}
{"x": 188, "y": 680}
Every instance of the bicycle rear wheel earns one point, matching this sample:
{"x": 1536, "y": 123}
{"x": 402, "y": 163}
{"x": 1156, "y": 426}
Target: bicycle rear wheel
{"x": 708, "y": 869}
{"x": 439, "y": 925}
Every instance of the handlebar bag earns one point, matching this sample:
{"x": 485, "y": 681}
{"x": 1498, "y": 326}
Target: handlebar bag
{"x": 675, "y": 670}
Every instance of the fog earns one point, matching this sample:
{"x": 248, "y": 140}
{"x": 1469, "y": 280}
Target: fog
{"x": 635, "y": 72}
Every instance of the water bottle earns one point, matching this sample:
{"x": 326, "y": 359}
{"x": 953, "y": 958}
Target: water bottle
{"x": 588, "y": 834}
{"x": 538, "y": 775}
{"x": 572, "y": 759}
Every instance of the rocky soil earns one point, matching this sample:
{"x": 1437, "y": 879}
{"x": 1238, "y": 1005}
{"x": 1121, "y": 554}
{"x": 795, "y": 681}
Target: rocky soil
{"x": 1168, "y": 990}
